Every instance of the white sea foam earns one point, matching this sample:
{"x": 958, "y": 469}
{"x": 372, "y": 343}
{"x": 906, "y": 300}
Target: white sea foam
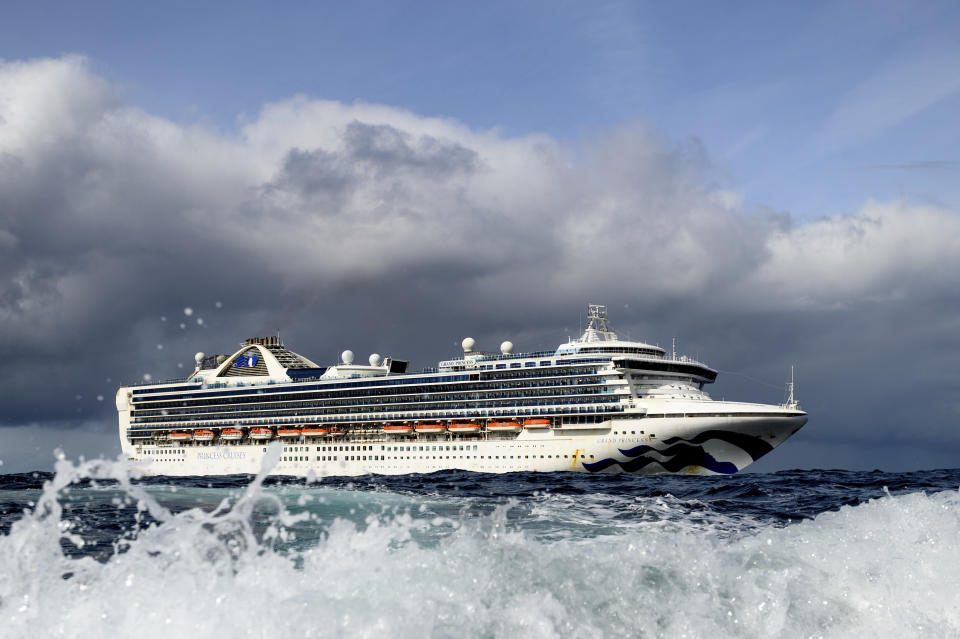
{"x": 884, "y": 568}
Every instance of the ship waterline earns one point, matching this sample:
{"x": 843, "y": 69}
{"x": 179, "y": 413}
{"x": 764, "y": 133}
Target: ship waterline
{"x": 597, "y": 404}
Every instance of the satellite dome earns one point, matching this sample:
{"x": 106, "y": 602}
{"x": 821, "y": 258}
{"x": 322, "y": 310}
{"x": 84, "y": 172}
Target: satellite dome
{"x": 221, "y": 359}
{"x": 199, "y": 357}
{"x": 507, "y": 348}
{"x": 347, "y": 357}
{"x": 468, "y": 343}
{"x": 374, "y": 359}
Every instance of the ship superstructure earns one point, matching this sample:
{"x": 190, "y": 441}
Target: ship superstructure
{"x": 595, "y": 404}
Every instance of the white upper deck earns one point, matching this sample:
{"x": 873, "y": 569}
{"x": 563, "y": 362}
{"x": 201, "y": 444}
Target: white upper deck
{"x": 598, "y": 338}
{"x": 265, "y": 360}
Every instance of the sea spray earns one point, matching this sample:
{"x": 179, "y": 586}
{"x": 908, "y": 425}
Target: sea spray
{"x": 356, "y": 559}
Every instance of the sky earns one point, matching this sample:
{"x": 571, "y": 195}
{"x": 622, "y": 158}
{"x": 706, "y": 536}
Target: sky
{"x": 770, "y": 184}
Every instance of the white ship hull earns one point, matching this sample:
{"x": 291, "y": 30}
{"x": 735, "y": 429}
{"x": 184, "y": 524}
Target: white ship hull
{"x": 686, "y": 445}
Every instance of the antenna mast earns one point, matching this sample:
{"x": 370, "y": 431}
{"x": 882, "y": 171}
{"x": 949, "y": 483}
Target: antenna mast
{"x": 791, "y": 399}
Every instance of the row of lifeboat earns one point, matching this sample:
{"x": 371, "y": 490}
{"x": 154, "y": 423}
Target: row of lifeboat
{"x": 260, "y": 433}
{"x": 461, "y": 428}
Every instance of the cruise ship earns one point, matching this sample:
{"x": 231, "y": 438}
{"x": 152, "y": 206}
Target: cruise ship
{"x": 596, "y": 404}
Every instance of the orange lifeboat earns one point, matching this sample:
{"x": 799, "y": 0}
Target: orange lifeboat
{"x": 504, "y": 427}
{"x": 431, "y": 429}
{"x": 203, "y": 435}
{"x": 231, "y": 434}
{"x": 398, "y": 429}
{"x": 288, "y": 433}
{"x": 314, "y": 431}
{"x": 536, "y": 422}
{"x": 261, "y": 433}
{"x": 180, "y": 437}
{"x": 464, "y": 429}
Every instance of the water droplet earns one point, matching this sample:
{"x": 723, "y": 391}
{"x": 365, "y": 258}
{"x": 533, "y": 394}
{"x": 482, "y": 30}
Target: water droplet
{"x": 163, "y": 318}
{"x": 219, "y": 305}
{"x": 188, "y": 311}
{"x": 78, "y": 396}
{"x": 159, "y": 347}
{"x": 99, "y": 398}
{"x": 147, "y": 377}
{"x": 182, "y": 325}
{"x": 200, "y": 321}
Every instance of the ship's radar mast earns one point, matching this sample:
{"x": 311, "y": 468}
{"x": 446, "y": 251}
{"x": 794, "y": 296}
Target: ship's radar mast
{"x": 597, "y": 329}
{"x": 597, "y": 317}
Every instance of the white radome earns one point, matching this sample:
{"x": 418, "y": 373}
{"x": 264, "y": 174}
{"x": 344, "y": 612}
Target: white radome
{"x": 374, "y": 359}
{"x": 199, "y": 357}
{"x": 468, "y": 343}
{"x": 347, "y": 357}
{"x": 506, "y": 348}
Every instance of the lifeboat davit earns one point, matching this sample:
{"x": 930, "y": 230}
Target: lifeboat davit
{"x": 314, "y": 431}
{"x": 504, "y": 427}
{"x": 203, "y": 435}
{"x": 288, "y": 432}
{"x": 431, "y": 429}
{"x": 398, "y": 429}
{"x": 261, "y": 433}
{"x": 231, "y": 434}
{"x": 180, "y": 437}
{"x": 464, "y": 429}
{"x": 536, "y": 422}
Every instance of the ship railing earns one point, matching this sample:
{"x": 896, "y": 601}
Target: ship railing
{"x": 174, "y": 380}
{"x": 546, "y": 411}
{"x": 504, "y": 405}
{"x": 684, "y": 359}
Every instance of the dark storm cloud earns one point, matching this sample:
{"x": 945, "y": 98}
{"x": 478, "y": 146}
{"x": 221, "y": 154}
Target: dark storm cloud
{"x": 368, "y": 227}
{"x": 384, "y": 147}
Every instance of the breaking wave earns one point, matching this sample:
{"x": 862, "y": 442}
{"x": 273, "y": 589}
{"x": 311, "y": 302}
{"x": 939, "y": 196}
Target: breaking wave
{"x": 367, "y": 559}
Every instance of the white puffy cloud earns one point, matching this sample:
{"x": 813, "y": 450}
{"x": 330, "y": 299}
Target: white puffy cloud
{"x": 885, "y": 251}
{"x": 317, "y": 191}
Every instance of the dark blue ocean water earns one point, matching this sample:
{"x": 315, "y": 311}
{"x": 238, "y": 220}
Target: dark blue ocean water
{"x": 801, "y": 553}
